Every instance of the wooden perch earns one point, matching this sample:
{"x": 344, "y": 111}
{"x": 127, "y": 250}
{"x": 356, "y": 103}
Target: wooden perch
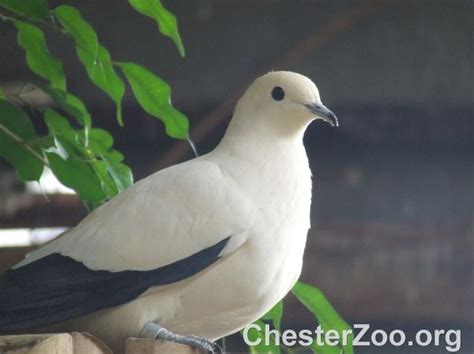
{"x": 62, "y": 343}
{"x": 83, "y": 343}
{"x": 150, "y": 346}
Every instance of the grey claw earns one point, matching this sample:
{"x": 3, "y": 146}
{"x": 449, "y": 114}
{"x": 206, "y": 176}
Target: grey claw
{"x": 211, "y": 347}
{"x": 155, "y": 331}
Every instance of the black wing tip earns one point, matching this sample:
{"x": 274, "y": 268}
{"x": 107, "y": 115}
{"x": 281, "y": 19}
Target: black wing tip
{"x": 56, "y": 288}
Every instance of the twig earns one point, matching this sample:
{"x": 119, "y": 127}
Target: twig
{"x": 193, "y": 147}
{"x": 18, "y": 96}
{"x": 38, "y": 140}
{"x": 23, "y": 144}
{"x": 7, "y": 18}
{"x": 22, "y": 90}
{"x": 25, "y": 19}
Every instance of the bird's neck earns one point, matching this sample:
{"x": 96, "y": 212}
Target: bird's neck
{"x": 256, "y": 155}
{"x": 275, "y": 169}
{"x": 257, "y": 145}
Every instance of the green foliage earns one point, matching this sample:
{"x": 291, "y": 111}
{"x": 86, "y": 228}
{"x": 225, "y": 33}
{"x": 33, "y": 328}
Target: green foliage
{"x": 39, "y": 59}
{"x": 154, "y": 95}
{"x": 16, "y": 130}
{"x": 314, "y": 300}
{"x": 254, "y": 335}
{"x": 273, "y": 318}
{"x": 166, "y": 21}
{"x": 81, "y": 156}
{"x": 95, "y": 58}
{"x": 95, "y": 170}
{"x": 274, "y": 315}
{"x": 110, "y": 160}
{"x": 71, "y": 104}
{"x": 326, "y": 316}
{"x": 31, "y": 9}
{"x": 77, "y": 175}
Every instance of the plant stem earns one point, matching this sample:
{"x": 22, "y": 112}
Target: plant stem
{"x": 38, "y": 140}
{"x": 23, "y": 90}
{"x": 17, "y": 96}
{"x": 7, "y": 18}
{"x": 23, "y": 144}
{"x": 52, "y": 25}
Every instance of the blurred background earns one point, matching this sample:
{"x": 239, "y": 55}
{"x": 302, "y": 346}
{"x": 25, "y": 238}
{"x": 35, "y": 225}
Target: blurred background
{"x": 392, "y": 238}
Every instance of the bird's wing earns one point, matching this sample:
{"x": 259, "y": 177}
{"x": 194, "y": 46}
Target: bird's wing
{"x": 163, "y": 229}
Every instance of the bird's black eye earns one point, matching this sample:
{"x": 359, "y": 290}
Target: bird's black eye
{"x": 278, "y": 94}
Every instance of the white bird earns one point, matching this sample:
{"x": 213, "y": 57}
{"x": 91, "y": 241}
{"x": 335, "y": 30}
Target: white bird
{"x": 204, "y": 247}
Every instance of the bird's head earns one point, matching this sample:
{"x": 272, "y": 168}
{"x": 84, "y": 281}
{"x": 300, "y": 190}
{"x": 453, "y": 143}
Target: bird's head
{"x": 282, "y": 101}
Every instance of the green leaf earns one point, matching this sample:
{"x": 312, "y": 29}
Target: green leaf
{"x": 274, "y": 315}
{"x": 108, "y": 184}
{"x": 2, "y": 93}
{"x": 154, "y": 95}
{"x": 95, "y": 58}
{"x": 77, "y": 175}
{"x": 15, "y": 131}
{"x": 314, "y": 300}
{"x": 38, "y": 57}
{"x": 100, "y": 140}
{"x": 70, "y": 144}
{"x": 56, "y": 123}
{"x": 101, "y": 143}
{"x": 166, "y": 21}
{"x": 70, "y": 104}
{"x": 254, "y": 335}
{"x": 32, "y": 9}
{"x": 65, "y": 137}
{"x": 69, "y": 148}
{"x": 121, "y": 173}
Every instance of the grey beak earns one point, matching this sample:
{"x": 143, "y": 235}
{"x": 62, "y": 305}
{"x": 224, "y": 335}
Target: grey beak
{"x": 323, "y": 112}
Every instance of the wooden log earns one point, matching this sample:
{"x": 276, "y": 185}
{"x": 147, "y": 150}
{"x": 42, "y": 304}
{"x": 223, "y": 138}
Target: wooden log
{"x": 61, "y": 343}
{"x": 88, "y": 344}
{"x": 37, "y": 344}
{"x": 151, "y": 346}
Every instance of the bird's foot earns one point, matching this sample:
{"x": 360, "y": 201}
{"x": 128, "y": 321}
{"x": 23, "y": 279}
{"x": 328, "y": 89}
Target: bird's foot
{"x": 155, "y": 331}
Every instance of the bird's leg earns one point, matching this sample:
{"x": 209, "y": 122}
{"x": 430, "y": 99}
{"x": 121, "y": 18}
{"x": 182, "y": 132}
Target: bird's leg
{"x": 155, "y": 331}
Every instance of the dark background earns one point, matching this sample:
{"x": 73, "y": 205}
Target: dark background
{"x": 392, "y": 240}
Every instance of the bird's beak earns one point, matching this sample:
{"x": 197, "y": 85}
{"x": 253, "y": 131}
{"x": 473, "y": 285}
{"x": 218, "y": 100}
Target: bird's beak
{"x": 323, "y": 112}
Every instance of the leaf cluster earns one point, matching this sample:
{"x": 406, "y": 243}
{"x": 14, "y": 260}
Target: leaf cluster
{"x": 325, "y": 315}
{"x": 80, "y": 155}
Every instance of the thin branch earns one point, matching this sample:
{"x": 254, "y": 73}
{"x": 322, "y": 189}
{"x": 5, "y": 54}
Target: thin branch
{"x": 193, "y": 147}
{"x": 7, "y": 18}
{"x": 20, "y": 91}
{"x": 23, "y": 90}
{"x": 23, "y": 144}
{"x": 51, "y": 25}
{"x": 54, "y": 26}
{"x": 18, "y": 96}
{"x": 38, "y": 140}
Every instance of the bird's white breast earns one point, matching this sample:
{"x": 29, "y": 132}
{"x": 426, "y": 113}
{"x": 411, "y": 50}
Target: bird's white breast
{"x": 249, "y": 282}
